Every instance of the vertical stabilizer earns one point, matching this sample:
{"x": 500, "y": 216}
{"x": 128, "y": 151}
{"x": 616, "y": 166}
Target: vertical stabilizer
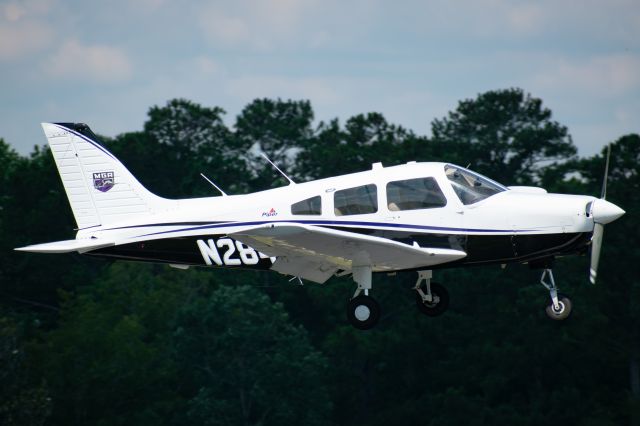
{"x": 100, "y": 189}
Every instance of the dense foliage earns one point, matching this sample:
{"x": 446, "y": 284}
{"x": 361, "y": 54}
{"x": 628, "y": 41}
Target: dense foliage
{"x": 91, "y": 342}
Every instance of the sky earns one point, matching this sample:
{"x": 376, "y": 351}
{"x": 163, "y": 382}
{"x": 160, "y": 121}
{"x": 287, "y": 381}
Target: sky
{"x": 105, "y": 63}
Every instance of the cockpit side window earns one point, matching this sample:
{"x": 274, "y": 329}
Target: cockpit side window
{"x": 310, "y": 206}
{"x": 414, "y": 194}
{"x": 469, "y": 186}
{"x": 358, "y": 200}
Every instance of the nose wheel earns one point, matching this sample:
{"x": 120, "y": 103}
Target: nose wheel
{"x": 560, "y": 306}
{"x": 562, "y": 311}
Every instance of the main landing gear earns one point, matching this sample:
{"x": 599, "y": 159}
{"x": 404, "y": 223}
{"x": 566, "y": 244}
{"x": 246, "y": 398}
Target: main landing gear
{"x": 560, "y": 306}
{"x": 364, "y": 312}
{"x": 434, "y": 299}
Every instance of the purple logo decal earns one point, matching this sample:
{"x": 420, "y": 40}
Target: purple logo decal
{"x": 103, "y": 181}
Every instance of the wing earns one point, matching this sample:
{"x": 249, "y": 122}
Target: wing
{"x": 315, "y": 253}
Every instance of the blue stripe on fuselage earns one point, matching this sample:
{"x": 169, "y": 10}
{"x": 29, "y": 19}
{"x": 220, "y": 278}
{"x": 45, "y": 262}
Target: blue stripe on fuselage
{"x": 322, "y": 223}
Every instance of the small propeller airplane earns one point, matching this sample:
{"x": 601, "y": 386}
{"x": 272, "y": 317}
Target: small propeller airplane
{"x": 411, "y": 217}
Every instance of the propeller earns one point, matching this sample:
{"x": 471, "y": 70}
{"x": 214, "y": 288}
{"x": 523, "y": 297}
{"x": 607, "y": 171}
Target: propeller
{"x": 603, "y": 212}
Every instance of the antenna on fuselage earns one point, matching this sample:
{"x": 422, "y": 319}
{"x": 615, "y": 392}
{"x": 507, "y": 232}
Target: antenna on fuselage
{"x": 224, "y": 194}
{"x": 291, "y": 182}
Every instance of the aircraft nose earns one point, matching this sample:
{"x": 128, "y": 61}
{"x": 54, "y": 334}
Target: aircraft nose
{"x": 605, "y": 212}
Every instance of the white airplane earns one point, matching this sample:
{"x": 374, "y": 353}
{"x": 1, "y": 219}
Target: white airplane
{"x": 412, "y": 217}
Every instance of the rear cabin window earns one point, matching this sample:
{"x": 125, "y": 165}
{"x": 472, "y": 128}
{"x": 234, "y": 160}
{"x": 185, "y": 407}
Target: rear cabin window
{"x": 358, "y": 200}
{"x": 414, "y": 194}
{"x": 310, "y": 206}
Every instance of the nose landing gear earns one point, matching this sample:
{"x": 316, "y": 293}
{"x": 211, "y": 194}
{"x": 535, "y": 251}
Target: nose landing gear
{"x": 560, "y": 306}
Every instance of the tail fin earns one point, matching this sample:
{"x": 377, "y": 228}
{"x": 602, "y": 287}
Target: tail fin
{"x": 100, "y": 189}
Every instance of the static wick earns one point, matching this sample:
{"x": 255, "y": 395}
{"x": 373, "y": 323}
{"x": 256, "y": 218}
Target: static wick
{"x": 299, "y": 280}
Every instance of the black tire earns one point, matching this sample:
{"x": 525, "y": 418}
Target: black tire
{"x": 565, "y": 308}
{"x": 434, "y": 309}
{"x": 363, "y": 312}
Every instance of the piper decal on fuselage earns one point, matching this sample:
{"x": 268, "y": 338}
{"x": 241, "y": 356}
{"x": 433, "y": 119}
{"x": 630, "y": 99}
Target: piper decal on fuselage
{"x": 231, "y": 253}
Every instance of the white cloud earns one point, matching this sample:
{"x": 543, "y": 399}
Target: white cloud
{"x": 602, "y": 76}
{"x": 22, "y": 29}
{"x": 224, "y": 29}
{"x": 205, "y": 65}
{"x": 267, "y": 25}
{"x": 526, "y": 18}
{"x": 147, "y": 4}
{"x": 94, "y": 63}
{"x": 13, "y": 11}
{"x": 585, "y": 23}
{"x": 257, "y": 24}
{"x": 319, "y": 90}
{"x": 21, "y": 39}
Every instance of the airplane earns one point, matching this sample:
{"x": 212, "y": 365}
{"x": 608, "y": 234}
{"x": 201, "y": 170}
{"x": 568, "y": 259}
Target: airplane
{"x": 418, "y": 216}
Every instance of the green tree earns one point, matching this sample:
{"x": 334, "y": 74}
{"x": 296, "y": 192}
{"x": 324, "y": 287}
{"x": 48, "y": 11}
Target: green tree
{"x": 10, "y": 161}
{"x": 108, "y": 362}
{"x": 181, "y": 140}
{"x": 23, "y": 400}
{"x": 247, "y": 363}
{"x": 276, "y": 128}
{"x": 505, "y": 134}
{"x": 365, "y": 139}
{"x": 34, "y": 209}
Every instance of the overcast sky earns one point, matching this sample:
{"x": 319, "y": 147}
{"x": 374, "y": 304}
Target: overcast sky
{"x": 106, "y": 62}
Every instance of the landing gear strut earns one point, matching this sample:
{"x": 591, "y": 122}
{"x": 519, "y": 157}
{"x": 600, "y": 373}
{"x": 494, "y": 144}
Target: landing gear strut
{"x": 560, "y": 306}
{"x": 434, "y": 299}
{"x": 363, "y": 312}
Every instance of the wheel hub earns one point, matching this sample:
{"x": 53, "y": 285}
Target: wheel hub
{"x": 431, "y": 303}
{"x": 560, "y": 308}
{"x": 362, "y": 313}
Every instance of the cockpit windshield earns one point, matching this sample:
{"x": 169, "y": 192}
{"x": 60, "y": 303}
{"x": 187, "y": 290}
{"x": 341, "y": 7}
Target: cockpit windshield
{"x": 469, "y": 186}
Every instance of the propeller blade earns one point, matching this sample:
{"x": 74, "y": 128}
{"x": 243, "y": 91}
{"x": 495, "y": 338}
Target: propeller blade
{"x": 596, "y": 245}
{"x": 603, "y": 212}
{"x": 603, "y": 195}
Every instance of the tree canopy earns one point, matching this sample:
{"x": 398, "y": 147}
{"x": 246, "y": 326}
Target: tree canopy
{"x": 507, "y": 134}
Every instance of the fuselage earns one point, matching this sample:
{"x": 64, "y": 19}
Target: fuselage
{"x": 431, "y": 204}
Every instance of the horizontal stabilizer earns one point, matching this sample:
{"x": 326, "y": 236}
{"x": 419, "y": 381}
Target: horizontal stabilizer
{"x": 68, "y": 246}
